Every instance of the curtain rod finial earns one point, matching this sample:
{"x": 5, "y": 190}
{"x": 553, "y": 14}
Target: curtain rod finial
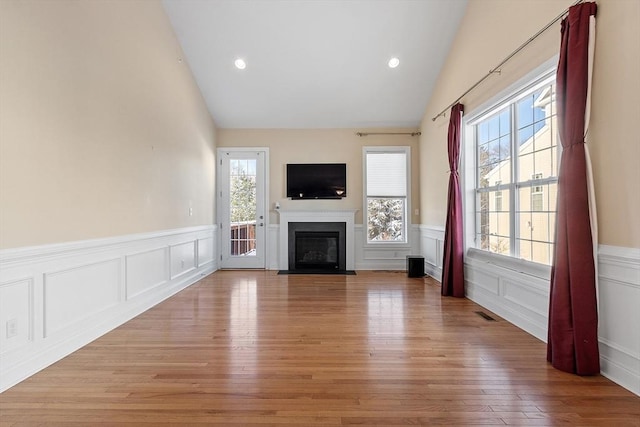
{"x": 443, "y": 114}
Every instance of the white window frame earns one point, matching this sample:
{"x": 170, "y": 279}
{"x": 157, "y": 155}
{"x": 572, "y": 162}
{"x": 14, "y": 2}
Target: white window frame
{"x": 406, "y": 242}
{"x": 468, "y": 183}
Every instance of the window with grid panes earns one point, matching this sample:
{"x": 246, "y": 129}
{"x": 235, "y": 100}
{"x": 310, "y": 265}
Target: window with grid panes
{"x": 516, "y": 173}
{"x": 386, "y": 176}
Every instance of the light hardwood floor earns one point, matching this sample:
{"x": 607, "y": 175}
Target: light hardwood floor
{"x": 243, "y": 348}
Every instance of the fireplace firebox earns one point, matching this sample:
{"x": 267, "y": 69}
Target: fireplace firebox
{"x": 316, "y": 250}
{"x": 317, "y": 246}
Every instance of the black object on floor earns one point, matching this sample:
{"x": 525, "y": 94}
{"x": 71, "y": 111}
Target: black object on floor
{"x": 415, "y": 266}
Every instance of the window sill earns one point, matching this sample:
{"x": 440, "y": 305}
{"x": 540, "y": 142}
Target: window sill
{"x": 530, "y": 268}
{"x": 387, "y": 245}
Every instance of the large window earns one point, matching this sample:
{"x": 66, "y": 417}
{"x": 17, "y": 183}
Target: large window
{"x": 386, "y": 173}
{"x": 516, "y": 173}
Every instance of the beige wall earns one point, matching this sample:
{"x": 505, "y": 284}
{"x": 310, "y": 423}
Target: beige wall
{"x": 320, "y": 146}
{"x": 490, "y": 30}
{"x": 103, "y": 131}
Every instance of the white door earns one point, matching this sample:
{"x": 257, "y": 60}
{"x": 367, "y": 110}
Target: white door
{"x": 242, "y": 207}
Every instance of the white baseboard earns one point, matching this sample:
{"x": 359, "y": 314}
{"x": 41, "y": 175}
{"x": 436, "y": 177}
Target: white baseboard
{"x": 522, "y": 298}
{"x": 384, "y": 257}
{"x": 55, "y": 299}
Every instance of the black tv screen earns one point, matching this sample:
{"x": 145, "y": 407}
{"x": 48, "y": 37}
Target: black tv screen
{"x": 317, "y": 181}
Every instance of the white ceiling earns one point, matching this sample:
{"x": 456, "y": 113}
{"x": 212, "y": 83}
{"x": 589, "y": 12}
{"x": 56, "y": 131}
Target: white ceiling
{"x": 315, "y": 63}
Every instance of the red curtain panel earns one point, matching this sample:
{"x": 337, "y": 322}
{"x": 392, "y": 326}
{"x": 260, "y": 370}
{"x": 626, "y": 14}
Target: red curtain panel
{"x": 453, "y": 262}
{"x": 573, "y": 315}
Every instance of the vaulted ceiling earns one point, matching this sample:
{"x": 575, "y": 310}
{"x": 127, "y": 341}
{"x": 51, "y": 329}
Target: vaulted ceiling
{"x": 315, "y": 63}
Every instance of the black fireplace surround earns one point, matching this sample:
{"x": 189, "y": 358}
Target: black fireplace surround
{"x": 317, "y": 246}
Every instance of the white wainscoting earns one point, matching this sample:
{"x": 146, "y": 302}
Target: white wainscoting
{"x": 56, "y": 298}
{"x": 146, "y": 270}
{"x": 431, "y": 247}
{"x": 384, "y": 257}
{"x": 77, "y": 295}
{"x": 520, "y": 294}
{"x": 520, "y": 298}
{"x": 183, "y": 258}
{"x": 619, "y": 315}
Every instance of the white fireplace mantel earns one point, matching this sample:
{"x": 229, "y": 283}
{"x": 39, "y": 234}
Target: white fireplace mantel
{"x": 287, "y": 216}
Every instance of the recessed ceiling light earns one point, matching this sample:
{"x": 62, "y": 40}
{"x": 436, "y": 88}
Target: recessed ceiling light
{"x": 394, "y": 62}
{"x": 240, "y": 64}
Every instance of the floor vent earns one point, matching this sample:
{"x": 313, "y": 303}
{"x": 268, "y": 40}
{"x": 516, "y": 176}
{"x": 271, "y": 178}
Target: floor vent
{"x": 485, "y": 316}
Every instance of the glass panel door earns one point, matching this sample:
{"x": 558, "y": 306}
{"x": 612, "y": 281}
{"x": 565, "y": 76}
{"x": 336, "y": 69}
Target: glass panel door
{"x": 242, "y": 208}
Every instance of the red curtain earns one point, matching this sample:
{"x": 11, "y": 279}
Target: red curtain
{"x": 573, "y": 314}
{"x": 453, "y": 263}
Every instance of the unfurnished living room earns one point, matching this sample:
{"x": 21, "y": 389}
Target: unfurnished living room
{"x": 319, "y": 212}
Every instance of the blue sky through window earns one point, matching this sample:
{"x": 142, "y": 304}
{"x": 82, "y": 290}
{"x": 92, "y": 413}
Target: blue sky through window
{"x": 494, "y": 133}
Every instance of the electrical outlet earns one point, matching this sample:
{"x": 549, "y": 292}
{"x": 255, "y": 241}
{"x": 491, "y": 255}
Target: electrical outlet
{"x": 190, "y": 211}
{"x": 181, "y": 263}
{"x": 12, "y": 328}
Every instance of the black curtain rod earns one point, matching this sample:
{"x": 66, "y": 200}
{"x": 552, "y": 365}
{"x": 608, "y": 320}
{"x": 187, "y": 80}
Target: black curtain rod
{"x": 496, "y": 69}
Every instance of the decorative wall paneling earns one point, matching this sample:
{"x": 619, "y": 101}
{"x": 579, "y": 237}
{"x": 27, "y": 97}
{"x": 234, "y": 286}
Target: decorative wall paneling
{"x": 521, "y": 296}
{"x": 56, "y": 298}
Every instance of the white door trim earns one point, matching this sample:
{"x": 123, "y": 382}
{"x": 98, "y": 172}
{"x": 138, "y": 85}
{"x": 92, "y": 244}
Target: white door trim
{"x": 220, "y": 152}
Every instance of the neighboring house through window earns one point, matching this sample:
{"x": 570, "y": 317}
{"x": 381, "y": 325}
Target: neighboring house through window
{"x": 386, "y": 178}
{"x": 537, "y": 194}
{"x": 498, "y": 198}
{"x": 516, "y": 172}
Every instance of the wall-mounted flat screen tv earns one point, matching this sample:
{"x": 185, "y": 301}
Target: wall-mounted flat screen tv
{"x": 317, "y": 181}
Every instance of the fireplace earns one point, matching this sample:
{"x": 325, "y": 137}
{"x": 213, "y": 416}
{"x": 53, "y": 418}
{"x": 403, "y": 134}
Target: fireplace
{"x": 346, "y": 217}
{"x": 317, "y": 246}
{"x": 316, "y": 250}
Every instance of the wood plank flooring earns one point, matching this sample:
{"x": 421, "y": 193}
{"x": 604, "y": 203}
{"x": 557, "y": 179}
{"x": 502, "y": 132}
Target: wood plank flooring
{"x": 245, "y": 348}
